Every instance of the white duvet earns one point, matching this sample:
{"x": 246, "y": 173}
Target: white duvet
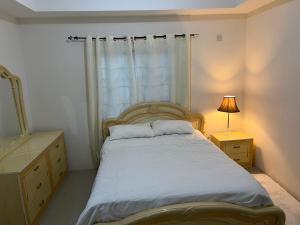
{"x": 142, "y": 173}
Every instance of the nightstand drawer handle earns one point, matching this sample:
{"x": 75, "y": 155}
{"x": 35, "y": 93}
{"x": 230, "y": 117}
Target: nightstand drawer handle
{"x": 61, "y": 173}
{"x": 59, "y": 160}
{"x": 237, "y": 146}
{"x": 57, "y": 146}
{"x": 237, "y": 160}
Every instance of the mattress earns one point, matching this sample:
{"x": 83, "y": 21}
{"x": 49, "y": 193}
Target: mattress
{"x": 143, "y": 173}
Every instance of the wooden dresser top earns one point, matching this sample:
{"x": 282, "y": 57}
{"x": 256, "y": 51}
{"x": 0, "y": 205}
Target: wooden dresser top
{"x": 23, "y": 155}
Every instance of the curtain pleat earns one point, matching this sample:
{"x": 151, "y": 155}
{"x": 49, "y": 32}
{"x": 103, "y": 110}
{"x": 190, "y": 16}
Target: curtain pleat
{"x": 187, "y": 47}
{"x": 92, "y": 100}
{"x": 179, "y": 59}
{"x": 118, "y": 90}
{"x": 152, "y": 69}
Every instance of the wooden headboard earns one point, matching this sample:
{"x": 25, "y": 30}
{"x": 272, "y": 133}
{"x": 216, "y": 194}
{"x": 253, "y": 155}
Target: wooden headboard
{"x": 148, "y": 112}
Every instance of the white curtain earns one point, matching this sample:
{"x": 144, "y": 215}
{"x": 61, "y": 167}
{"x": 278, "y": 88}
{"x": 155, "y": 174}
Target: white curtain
{"x": 120, "y": 73}
{"x": 162, "y": 68}
{"x": 179, "y": 54}
{"x": 92, "y": 99}
{"x": 116, "y": 76}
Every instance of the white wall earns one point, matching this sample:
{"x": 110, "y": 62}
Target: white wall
{"x": 11, "y": 54}
{"x": 272, "y": 99}
{"x": 56, "y": 73}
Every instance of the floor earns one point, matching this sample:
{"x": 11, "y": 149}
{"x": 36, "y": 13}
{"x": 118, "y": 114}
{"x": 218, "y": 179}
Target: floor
{"x": 67, "y": 204}
{"x": 70, "y": 199}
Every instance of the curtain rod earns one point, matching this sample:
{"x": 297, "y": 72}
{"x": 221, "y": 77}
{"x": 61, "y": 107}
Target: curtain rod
{"x": 77, "y": 38}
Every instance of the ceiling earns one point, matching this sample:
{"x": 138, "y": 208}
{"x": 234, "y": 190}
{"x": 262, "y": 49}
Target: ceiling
{"x": 22, "y": 9}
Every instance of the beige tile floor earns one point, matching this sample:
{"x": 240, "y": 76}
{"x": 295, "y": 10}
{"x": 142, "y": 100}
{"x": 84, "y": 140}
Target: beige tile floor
{"x": 66, "y": 205}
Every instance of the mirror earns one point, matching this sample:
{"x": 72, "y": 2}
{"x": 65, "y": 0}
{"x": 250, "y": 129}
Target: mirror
{"x": 9, "y": 125}
{"x": 13, "y": 123}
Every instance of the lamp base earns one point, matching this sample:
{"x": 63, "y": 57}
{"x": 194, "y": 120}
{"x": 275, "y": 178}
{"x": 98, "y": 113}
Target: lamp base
{"x": 228, "y": 120}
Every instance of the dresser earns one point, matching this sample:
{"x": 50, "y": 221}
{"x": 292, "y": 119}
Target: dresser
{"x": 237, "y": 145}
{"x": 29, "y": 176}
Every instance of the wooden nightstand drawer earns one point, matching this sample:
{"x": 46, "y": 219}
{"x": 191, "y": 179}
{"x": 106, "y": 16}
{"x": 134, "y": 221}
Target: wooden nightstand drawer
{"x": 239, "y": 158}
{"x": 236, "y": 147}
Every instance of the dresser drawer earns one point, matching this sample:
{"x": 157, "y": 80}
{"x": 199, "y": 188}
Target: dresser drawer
{"x": 236, "y": 147}
{"x": 26, "y": 179}
{"x": 58, "y": 161}
{"x": 39, "y": 200}
{"x": 59, "y": 171}
{"x": 35, "y": 178}
{"x": 56, "y": 150}
{"x": 37, "y": 188}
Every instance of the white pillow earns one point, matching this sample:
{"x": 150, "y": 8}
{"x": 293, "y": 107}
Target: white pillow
{"x": 130, "y": 131}
{"x": 161, "y": 127}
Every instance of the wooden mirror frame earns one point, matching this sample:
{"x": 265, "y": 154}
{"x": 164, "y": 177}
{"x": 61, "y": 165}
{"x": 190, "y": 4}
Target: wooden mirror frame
{"x": 17, "y": 92}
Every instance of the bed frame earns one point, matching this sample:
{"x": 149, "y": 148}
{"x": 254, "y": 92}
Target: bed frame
{"x": 197, "y": 213}
{"x": 151, "y": 111}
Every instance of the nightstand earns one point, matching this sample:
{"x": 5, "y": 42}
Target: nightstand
{"x": 237, "y": 145}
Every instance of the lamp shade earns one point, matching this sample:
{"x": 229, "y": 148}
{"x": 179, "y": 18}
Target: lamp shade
{"x": 229, "y": 105}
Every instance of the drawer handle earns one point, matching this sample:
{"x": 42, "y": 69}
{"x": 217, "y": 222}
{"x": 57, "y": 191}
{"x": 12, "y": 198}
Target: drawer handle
{"x": 57, "y": 146}
{"x": 36, "y": 168}
{"x": 236, "y": 146}
{"x": 61, "y": 173}
{"x": 237, "y": 160}
{"x": 39, "y": 186}
{"x": 42, "y": 203}
{"x": 59, "y": 160}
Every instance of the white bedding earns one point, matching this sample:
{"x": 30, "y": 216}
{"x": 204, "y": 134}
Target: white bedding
{"x": 143, "y": 173}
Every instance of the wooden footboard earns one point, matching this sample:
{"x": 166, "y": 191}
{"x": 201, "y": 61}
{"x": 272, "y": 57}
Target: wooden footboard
{"x": 205, "y": 214}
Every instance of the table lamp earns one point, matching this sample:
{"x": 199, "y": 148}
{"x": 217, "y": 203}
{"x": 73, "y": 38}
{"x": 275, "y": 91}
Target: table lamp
{"x": 228, "y": 105}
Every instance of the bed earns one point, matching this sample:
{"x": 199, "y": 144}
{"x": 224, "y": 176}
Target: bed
{"x": 173, "y": 179}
